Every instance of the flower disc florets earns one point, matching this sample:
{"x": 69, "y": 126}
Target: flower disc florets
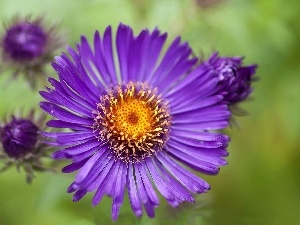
{"x": 133, "y": 120}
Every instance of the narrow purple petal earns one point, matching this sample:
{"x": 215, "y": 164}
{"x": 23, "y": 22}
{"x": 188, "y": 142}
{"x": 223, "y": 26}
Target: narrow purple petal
{"x": 85, "y": 170}
{"x": 123, "y": 40}
{"x": 135, "y": 56}
{"x": 59, "y": 155}
{"x": 202, "y": 103}
{"x": 210, "y": 125}
{"x": 172, "y": 56}
{"x": 149, "y": 207}
{"x": 175, "y": 74}
{"x": 211, "y": 113}
{"x": 200, "y": 74}
{"x": 79, "y": 195}
{"x": 147, "y": 183}
{"x": 119, "y": 191}
{"x": 185, "y": 177}
{"x": 70, "y": 138}
{"x": 140, "y": 187}
{"x": 193, "y": 93}
{"x": 99, "y": 60}
{"x": 83, "y": 147}
{"x": 198, "y": 164}
{"x": 180, "y": 193}
{"x": 162, "y": 186}
{"x": 220, "y": 151}
{"x": 133, "y": 192}
{"x": 198, "y": 143}
{"x": 63, "y": 89}
{"x": 63, "y": 114}
{"x": 111, "y": 183}
{"x": 198, "y": 135}
{"x": 97, "y": 173}
{"x": 63, "y": 124}
{"x": 108, "y": 54}
{"x": 151, "y": 54}
{"x": 101, "y": 182}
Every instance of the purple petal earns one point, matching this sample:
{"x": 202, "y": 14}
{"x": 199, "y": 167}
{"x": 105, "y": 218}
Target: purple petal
{"x": 180, "y": 193}
{"x": 63, "y": 114}
{"x": 108, "y": 54}
{"x": 133, "y": 192}
{"x": 119, "y": 191}
{"x": 74, "y": 166}
{"x": 185, "y": 177}
{"x": 162, "y": 186}
{"x": 100, "y": 183}
{"x": 63, "y": 124}
{"x": 147, "y": 183}
{"x": 123, "y": 39}
{"x": 203, "y": 136}
{"x": 79, "y": 195}
{"x": 85, "y": 170}
{"x": 202, "y": 103}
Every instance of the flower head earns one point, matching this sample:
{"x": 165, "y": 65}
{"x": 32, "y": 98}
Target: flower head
{"x": 21, "y": 143}
{"x": 28, "y": 44}
{"x": 133, "y": 126}
{"x": 235, "y": 79}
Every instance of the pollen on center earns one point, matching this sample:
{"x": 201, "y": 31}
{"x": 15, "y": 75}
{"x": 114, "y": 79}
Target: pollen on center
{"x": 133, "y": 118}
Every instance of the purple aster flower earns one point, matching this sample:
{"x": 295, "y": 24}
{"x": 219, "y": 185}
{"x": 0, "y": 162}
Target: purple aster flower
{"x": 136, "y": 119}
{"x": 27, "y": 45}
{"x": 21, "y": 143}
{"x": 235, "y": 79}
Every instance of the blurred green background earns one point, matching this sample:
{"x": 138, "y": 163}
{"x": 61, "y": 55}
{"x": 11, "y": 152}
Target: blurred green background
{"x": 261, "y": 183}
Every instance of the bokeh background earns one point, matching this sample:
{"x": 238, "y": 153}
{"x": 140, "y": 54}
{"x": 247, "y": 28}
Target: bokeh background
{"x": 261, "y": 183}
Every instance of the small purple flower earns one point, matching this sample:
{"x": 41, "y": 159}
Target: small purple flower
{"x": 135, "y": 119}
{"x": 22, "y": 144}
{"x": 28, "y": 45}
{"x": 235, "y": 80}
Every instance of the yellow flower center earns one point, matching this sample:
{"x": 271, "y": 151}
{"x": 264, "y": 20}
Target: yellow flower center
{"x": 133, "y": 121}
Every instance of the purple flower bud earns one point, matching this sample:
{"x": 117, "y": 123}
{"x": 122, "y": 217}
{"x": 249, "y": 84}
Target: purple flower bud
{"x": 28, "y": 45}
{"x": 19, "y": 137}
{"x": 25, "y": 41}
{"x": 21, "y": 144}
{"x": 235, "y": 80}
